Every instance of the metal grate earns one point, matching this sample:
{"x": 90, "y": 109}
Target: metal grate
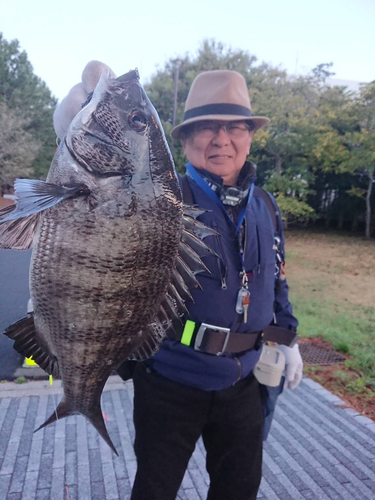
{"x": 319, "y": 355}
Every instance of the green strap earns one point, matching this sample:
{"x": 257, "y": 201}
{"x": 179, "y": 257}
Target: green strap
{"x": 188, "y": 332}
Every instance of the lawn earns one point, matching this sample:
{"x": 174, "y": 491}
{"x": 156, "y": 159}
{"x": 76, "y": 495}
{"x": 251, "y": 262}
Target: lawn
{"x": 332, "y": 288}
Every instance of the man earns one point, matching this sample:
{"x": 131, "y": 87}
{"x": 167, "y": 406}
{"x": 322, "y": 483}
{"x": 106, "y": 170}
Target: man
{"x": 203, "y": 384}
{"x": 184, "y": 392}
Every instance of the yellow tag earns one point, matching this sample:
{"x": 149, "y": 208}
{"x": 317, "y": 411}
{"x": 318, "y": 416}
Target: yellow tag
{"x": 188, "y": 332}
{"x": 30, "y": 362}
{"x": 50, "y": 380}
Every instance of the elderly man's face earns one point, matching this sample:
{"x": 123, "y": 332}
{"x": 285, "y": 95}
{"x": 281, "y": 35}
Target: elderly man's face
{"x": 218, "y": 147}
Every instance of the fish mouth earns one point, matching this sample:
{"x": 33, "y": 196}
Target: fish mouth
{"x": 130, "y": 76}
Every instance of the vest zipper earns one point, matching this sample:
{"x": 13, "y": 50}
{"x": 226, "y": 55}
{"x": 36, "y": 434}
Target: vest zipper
{"x": 244, "y": 237}
{"x": 258, "y": 241}
{"x": 241, "y": 242}
{"x": 223, "y": 277}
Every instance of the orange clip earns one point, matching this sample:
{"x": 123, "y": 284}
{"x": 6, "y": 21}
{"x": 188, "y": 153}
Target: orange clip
{"x": 282, "y": 269}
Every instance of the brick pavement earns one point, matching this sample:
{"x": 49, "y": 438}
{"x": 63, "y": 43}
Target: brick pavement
{"x": 317, "y": 449}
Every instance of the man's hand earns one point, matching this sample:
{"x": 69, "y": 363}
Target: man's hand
{"x": 293, "y": 366}
{"x": 72, "y": 103}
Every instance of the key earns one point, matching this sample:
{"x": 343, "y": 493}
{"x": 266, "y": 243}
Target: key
{"x": 245, "y": 304}
{"x": 239, "y": 304}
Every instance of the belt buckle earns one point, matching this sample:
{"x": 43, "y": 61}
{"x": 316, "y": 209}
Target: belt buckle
{"x": 201, "y": 332}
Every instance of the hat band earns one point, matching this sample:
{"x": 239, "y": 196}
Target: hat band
{"x": 217, "y": 109}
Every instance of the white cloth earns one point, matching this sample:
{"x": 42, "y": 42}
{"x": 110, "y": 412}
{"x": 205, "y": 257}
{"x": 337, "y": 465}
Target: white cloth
{"x": 68, "y": 108}
{"x": 72, "y": 103}
{"x": 293, "y": 366}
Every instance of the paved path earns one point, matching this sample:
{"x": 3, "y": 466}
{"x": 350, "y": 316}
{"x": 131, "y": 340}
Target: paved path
{"x": 316, "y": 449}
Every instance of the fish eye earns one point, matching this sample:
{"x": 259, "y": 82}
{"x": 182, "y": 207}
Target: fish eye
{"x": 137, "y": 121}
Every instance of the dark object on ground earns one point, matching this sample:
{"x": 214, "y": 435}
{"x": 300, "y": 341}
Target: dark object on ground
{"x": 319, "y": 355}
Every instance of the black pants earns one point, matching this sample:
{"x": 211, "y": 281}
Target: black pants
{"x": 169, "y": 418}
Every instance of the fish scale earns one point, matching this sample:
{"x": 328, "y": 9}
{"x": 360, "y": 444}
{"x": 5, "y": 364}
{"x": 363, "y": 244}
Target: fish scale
{"x": 113, "y": 247}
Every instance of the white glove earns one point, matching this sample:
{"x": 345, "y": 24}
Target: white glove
{"x": 293, "y": 366}
{"x": 72, "y": 103}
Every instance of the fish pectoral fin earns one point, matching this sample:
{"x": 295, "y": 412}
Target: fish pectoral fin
{"x": 28, "y": 343}
{"x": 18, "y": 222}
{"x": 33, "y": 197}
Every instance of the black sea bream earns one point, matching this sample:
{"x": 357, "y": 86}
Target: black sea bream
{"x": 114, "y": 249}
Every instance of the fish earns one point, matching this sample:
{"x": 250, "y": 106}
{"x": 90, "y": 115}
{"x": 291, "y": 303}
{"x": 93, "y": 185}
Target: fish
{"x": 115, "y": 250}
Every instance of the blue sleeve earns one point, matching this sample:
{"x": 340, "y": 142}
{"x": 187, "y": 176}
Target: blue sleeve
{"x": 283, "y": 308}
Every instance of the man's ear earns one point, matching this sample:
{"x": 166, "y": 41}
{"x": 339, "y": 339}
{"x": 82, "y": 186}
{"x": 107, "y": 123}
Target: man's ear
{"x": 250, "y": 141}
{"x": 183, "y": 140}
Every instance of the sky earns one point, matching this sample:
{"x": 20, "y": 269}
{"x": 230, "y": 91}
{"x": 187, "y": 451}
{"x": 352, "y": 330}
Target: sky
{"x": 295, "y": 35}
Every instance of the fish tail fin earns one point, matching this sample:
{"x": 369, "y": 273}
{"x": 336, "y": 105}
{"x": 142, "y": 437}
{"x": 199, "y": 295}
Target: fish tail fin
{"x": 63, "y": 410}
{"x": 97, "y": 421}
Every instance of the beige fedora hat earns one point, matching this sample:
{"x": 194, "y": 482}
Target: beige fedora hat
{"x": 218, "y": 95}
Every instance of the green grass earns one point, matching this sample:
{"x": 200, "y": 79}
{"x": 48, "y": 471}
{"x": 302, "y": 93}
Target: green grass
{"x": 332, "y": 279}
{"x": 349, "y": 330}
{"x": 20, "y": 380}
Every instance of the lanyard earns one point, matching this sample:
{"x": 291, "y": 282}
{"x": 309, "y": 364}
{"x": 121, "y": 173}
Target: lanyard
{"x": 209, "y": 191}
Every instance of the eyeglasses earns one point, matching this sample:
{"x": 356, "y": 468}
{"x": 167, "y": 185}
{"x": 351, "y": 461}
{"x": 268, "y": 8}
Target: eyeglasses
{"x": 208, "y": 130}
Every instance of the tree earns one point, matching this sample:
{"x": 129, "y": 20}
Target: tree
{"x": 28, "y": 98}
{"x": 343, "y": 153}
{"x": 18, "y": 148}
{"x": 362, "y": 141}
{"x": 330, "y": 151}
{"x": 305, "y": 156}
{"x": 282, "y": 149}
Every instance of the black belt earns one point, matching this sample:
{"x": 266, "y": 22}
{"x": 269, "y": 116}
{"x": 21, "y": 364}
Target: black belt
{"x": 217, "y": 340}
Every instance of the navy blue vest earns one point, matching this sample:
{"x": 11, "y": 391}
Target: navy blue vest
{"x": 215, "y": 303}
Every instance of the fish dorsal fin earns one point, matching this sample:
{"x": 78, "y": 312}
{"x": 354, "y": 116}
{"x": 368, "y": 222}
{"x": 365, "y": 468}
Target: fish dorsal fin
{"x": 188, "y": 264}
{"x": 196, "y": 244}
{"x": 169, "y": 322}
{"x": 193, "y": 211}
{"x": 28, "y": 343}
{"x": 17, "y": 223}
{"x": 153, "y": 338}
{"x": 197, "y": 228}
{"x": 181, "y": 286}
